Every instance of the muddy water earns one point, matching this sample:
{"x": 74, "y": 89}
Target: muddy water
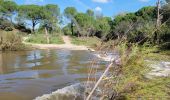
{"x": 25, "y": 75}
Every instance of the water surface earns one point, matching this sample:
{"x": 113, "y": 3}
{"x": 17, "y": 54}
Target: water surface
{"x": 25, "y": 75}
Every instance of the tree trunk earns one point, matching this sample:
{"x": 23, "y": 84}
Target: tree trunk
{"x": 47, "y": 36}
{"x": 72, "y": 30}
{"x": 33, "y": 26}
{"x": 158, "y": 14}
{"x": 158, "y": 22}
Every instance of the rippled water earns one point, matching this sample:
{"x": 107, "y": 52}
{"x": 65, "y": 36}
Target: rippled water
{"x": 25, "y": 75}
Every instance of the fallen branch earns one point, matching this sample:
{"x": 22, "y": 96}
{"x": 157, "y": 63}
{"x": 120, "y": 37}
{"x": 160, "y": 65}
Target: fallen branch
{"x": 98, "y": 82}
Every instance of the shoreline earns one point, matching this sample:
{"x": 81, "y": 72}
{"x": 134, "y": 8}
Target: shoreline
{"x": 68, "y": 45}
{"x": 57, "y": 46}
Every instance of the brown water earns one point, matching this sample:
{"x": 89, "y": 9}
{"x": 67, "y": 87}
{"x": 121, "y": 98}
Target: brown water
{"x": 25, "y": 75}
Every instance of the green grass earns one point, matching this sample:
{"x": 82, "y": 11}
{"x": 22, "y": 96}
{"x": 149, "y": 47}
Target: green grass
{"x": 154, "y": 53}
{"x": 87, "y": 41}
{"x": 156, "y": 89}
{"x": 41, "y": 39}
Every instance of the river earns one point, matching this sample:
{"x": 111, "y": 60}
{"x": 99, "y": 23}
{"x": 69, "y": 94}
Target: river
{"x": 25, "y": 75}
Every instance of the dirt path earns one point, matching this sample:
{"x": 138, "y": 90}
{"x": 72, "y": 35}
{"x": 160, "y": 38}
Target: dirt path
{"x": 66, "y": 40}
{"x": 67, "y": 45}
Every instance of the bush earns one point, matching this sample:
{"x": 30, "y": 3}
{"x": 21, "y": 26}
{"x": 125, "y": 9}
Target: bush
{"x": 5, "y": 25}
{"x": 10, "y": 41}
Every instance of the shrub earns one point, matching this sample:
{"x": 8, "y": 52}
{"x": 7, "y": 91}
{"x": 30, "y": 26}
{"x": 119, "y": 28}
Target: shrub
{"x": 10, "y": 41}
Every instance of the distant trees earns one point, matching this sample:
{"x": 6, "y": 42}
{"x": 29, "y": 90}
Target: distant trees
{"x": 7, "y": 9}
{"x": 50, "y": 17}
{"x": 141, "y": 25}
{"x": 90, "y": 12}
{"x": 136, "y": 26}
{"x": 70, "y": 13}
{"x": 85, "y": 23}
{"x": 103, "y": 26}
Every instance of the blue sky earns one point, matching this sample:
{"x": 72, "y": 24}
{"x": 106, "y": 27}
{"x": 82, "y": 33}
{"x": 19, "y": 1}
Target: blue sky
{"x": 107, "y": 7}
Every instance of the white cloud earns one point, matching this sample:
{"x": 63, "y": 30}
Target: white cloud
{"x": 98, "y": 9}
{"x": 101, "y": 1}
{"x": 144, "y": 0}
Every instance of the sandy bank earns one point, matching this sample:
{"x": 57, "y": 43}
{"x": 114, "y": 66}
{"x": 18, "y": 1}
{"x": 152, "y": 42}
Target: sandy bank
{"x": 56, "y": 46}
{"x": 67, "y": 45}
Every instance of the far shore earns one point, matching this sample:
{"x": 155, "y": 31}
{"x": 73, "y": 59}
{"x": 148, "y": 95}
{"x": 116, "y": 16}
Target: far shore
{"x": 68, "y": 45}
{"x": 57, "y": 46}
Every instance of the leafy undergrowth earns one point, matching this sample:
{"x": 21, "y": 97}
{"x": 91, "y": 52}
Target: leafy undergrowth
{"x": 87, "y": 41}
{"x": 41, "y": 39}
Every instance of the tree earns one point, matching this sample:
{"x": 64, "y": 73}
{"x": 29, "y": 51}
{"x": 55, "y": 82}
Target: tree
{"x": 70, "y": 13}
{"x": 85, "y": 22}
{"x": 103, "y": 27}
{"x": 33, "y": 13}
{"x": 51, "y": 14}
{"x": 147, "y": 13}
{"x": 49, "y": 20}
{"x": 90, "y": 12}
{"x": 7, "y": 9}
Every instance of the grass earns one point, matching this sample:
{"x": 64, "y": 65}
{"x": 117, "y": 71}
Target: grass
{"x": 87, "y": 41}
{"x": 155, "y": 53}
{"x": 155, "y": 89}
{"x": 41, "y": 39}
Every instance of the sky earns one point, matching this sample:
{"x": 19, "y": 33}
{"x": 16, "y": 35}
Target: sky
{"x": 107, "y": 7}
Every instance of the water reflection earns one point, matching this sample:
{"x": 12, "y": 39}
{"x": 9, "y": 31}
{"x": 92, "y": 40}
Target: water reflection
{"x": 34, "y": 73}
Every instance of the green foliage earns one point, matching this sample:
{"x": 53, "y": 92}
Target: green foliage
{"x": 138, "y": 27}
{"x": 102, "y": 27}
{"x": 147, "y": 13}
{"x": 11, "y": 41}
{"x": 85, "y": 22}
{"x": 51, "y": 14}
{"x": 90, "y": 12}
{"x": 34, "y": 13}
{"x": 7, "y": 11}
{"x": 166, "y": 13}
{"x": 124, "y": 17}
{"x": 88, "y": 41}
{"x": 66, "y": 30}
{"x": 70, "y": 12}
{"x": 41, "y": 39}
{"x": 7, "y": 8}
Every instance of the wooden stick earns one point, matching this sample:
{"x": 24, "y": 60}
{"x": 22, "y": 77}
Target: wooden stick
{"x": 98, "y": 82}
